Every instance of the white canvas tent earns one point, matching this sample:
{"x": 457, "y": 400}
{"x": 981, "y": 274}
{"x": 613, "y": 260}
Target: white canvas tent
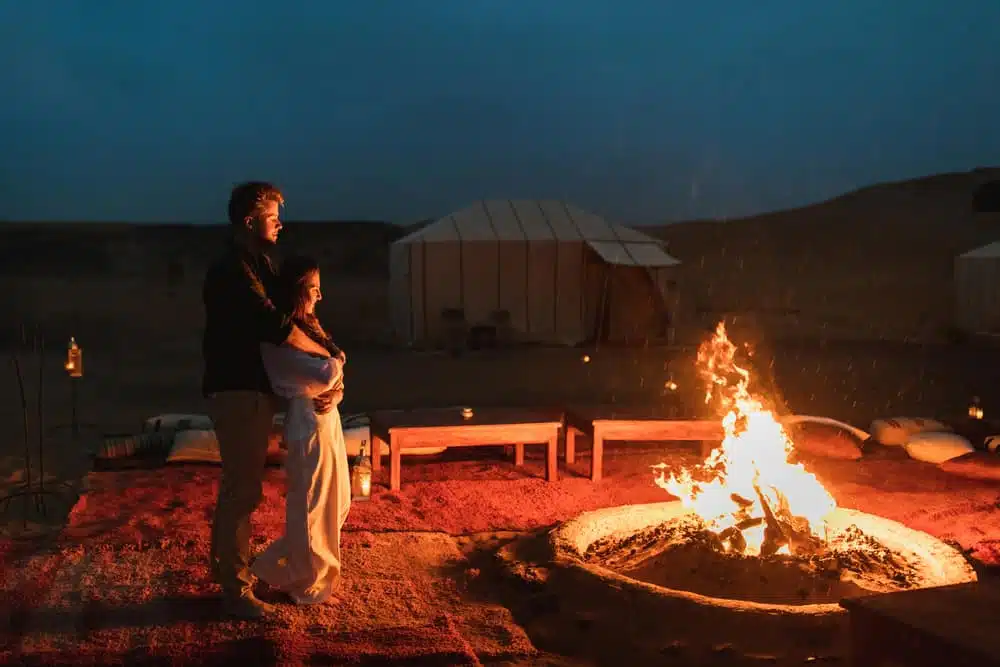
{"x": 557, "y": 273}
{"x": 977, "y": 289}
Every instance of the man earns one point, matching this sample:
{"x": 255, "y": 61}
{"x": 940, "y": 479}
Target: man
{"x": 239, "y": 316}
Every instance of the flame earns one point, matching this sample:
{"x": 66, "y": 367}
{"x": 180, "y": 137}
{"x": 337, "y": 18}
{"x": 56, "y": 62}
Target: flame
{"x": 748, "y": 477}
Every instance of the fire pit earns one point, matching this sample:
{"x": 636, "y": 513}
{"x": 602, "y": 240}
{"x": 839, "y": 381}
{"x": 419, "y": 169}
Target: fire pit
{"x": 667, "y": 550}
{"x": 659, "y": 581}
{"x": 754, "y": 553}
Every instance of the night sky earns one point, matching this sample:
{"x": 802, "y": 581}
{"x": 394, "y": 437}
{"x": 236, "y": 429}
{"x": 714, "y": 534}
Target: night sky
{"x": 643, "y": 111}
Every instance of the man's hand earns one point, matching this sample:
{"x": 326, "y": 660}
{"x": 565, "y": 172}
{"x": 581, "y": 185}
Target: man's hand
{"x": 329, "y": 399}
{"x": 323, "y": 403}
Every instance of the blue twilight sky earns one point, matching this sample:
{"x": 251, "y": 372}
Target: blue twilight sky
{"x": 641, "y": 110}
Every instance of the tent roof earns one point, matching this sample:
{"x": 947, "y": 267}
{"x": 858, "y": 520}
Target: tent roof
{"x": 985, "y": 252}
{"x": 530, "y": 220}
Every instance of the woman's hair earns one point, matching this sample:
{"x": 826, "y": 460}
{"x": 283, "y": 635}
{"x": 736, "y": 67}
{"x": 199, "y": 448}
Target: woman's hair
{"x": 292, "y": 294}
{"x": 293, "y": 289}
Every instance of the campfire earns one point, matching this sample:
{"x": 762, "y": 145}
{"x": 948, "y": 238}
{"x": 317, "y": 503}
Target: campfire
{"x": 752, "y": 532}
{"x": 748, "y": 493}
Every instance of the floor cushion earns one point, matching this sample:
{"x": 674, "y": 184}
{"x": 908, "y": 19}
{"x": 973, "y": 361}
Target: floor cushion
{"x": 937, "y": 447}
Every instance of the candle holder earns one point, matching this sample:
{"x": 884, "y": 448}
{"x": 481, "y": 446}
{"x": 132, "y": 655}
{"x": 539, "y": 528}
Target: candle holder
{"x": 73, "y": 365}
{"x": 361, "y": 476}
{"x": 74, "y": 368}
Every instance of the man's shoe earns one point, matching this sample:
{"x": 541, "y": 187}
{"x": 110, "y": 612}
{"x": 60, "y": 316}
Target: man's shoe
{"x": 246, "y": 606}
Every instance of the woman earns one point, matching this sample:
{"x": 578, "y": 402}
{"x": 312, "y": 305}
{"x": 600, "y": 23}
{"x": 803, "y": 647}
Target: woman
{"x": 305, "y": 563}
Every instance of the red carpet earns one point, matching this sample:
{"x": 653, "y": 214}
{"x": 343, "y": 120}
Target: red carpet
{"x": 128, "y": 580}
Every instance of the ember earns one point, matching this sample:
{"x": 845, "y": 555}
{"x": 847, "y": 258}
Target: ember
{"x": 747, "y": 491}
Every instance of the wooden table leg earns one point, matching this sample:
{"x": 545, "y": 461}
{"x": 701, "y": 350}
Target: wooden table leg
{"x": 570, "y": 445}
{"x": 596, "y": 455}
{"x": 395, "y": 462}
{"x": 376, "y": 456}
{"x": 552, "y": 458}
{"x": 519, "y": 454}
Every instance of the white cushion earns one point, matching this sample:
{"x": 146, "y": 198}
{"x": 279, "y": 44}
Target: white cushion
{"x": 897, "y": 431}
{"x": 822, "y": 436}
{"x": 200, "y": 446}
{"x": 174, "y": 422}
{"x": 937, "y": 447}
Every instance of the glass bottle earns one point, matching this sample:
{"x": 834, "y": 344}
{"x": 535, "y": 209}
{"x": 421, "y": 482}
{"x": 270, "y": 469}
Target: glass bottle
{"x": 361, "y": 475}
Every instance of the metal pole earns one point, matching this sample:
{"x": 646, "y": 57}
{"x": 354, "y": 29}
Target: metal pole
{"x": 27, "y": 438}
{"x": 74, "y": 423}
{"x": 40, "y": 424}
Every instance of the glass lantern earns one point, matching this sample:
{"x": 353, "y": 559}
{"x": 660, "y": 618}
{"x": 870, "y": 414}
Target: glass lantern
{"x": 74, "y": 359}
{"x": 361, "y": 476}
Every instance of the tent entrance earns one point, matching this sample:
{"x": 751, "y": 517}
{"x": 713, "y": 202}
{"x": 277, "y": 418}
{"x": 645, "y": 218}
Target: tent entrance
{"x": 635, "y": 306}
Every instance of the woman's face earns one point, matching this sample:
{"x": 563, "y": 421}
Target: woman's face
{"x": 313, "y": 294}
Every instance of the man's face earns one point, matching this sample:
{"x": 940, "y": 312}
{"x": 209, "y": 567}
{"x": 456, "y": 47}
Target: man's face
{"x": 267, "y": 224}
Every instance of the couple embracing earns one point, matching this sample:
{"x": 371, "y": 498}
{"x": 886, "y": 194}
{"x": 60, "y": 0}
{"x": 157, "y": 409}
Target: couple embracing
{"x": 265, "y": 350}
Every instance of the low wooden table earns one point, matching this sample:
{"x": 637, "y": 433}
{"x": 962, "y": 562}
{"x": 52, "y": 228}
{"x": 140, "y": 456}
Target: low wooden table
{"x": 403, "y": 429}
{"x": 945, "y": 626}
{"x": 603, "y": 423}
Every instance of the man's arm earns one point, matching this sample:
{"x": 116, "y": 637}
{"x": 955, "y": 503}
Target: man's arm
{"x": 270, "y": 324}
{"x": 299, "y": 340}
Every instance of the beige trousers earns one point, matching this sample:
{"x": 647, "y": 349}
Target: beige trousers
{"x": 242, "y": 425}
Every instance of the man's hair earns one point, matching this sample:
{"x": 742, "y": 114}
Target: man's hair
{"x": 247, "y": 198}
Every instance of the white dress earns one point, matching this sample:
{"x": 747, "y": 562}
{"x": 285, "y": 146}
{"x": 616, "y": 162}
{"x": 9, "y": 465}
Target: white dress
{"x": 305, "y": 563}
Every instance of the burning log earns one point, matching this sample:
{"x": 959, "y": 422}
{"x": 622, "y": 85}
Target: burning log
{"x": 784, "y": 529}
{"x": 733, "y": 536}
{"x": 774, "y": 536}
{"x": 744, "y": 503}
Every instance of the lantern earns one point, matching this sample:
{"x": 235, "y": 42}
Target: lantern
{"x": 466, "y": 413}
{"x": 975, "y": 410}
{"x": 74, "y": 359}
{"x": 361, "y": 476}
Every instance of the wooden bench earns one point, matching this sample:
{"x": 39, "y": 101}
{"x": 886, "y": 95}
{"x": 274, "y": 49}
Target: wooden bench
{"x": 403, "y": 429}
{"x": 947, "y": 626}
{"x": 603, "y": 423}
